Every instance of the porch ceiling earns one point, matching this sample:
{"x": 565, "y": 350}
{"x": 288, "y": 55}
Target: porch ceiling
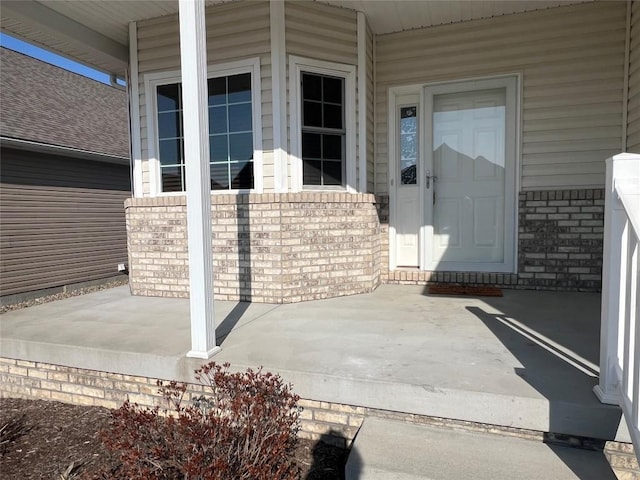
{"x": 96, "y": 32}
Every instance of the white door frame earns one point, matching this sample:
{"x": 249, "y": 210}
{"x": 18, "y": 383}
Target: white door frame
{"x": 513, "y": 84}
{"x": 392, "y": 122}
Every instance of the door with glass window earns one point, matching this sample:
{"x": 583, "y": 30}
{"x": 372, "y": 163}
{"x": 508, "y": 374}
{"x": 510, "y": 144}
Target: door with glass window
{"x": 407, "y": 206}
{"x": 469, "y": 176}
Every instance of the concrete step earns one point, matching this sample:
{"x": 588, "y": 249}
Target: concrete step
{"x": 392, "y": 450}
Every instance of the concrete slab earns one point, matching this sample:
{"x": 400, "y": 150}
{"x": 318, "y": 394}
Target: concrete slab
{"x": 527, "y": 360}
{"x": 390, "y": 450}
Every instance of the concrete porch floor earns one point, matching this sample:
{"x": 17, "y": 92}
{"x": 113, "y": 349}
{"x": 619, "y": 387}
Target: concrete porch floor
{"x": 526, "y": 360}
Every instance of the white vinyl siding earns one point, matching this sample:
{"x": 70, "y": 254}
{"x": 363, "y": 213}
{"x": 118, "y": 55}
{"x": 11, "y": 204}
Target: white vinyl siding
{"x": 571, "y": 59}
{"x": 633, "y": 131}
{"x": 319, "y": 32}
{"x": 234, "y": 31}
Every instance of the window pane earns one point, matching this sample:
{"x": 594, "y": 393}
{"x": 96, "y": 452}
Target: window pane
{"x": 311, "y": 172}
{"x": 408, "y": 120}
{"x": 218, "y": 119}
{"x": 408, "y": 145}
{"x": 217, "y": 91}
{"x": 311, "y": 87}
{"x": 332, "y": 116}
{"x": 242, "y": 175}
{"x": 332, "y": 173}
{"x": 240, "y": 88}
{"x": 218, "y": 149}
{"x": 332, "y": 89}
{"x": 332, "y": 147}
{"x": 230, "y": 133}
{"x": 168, "y": 97}
{"x": 170, "y": 151}
{"x": 323, "y": 110}
{"x": 241, "y": 146}
{"x": 312, "y": 114}
{"x": 240, "y": 117}
{"x": 169, "y": 125}
{"x": 171, "y": 179}
{"x": 220, "y": 176}
{"x": 311, "y": 145}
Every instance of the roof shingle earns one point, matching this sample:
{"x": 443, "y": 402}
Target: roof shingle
{"x": 44, "y": 103}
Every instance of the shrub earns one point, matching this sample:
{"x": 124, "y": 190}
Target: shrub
{"x": 243, "y": 427}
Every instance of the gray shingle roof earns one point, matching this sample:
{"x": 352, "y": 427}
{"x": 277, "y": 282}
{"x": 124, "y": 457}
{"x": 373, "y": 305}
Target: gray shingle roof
{"x": 43, "y": 103}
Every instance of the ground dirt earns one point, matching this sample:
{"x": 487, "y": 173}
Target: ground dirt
{"x": 55, "y": 441}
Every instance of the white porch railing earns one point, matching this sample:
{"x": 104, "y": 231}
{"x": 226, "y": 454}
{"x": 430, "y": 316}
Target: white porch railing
{"x": 620, "y": 331}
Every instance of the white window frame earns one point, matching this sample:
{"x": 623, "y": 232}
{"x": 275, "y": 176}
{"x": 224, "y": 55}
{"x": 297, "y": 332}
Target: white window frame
{"x": 298, "y": 65}
{"x": 155, "y": 79}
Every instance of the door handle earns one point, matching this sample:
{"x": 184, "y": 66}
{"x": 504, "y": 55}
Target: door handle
{"x": 429, "y": 178}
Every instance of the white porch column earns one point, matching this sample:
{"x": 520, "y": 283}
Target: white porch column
{"x": 622, "y": 166}
{"x": 193, "y": 54}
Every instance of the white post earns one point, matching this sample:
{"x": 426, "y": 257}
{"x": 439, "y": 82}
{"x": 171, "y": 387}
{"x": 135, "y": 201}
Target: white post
{"x": 613, "y": 293}
{"x": 193, "y": 55}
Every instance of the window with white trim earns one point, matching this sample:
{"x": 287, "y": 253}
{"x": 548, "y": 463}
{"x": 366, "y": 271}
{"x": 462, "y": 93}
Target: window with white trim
{"x": 234, "y": 139}
{"x": 323, "y": 124}
{"x": 323, "y": 129}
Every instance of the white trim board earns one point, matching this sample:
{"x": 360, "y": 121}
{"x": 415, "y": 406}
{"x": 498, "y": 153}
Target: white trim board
{"x": 134, "y": 112}
{"x": 362, "y": 102}
{"x": 279, "y": 95}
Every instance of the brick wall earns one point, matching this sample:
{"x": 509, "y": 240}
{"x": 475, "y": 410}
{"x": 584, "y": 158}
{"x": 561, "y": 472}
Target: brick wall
{"x": 332, "y": 422}
{"x": 560, "y": 241}
{"x": 273, "y": 248}
{"x": 623, "y": 460}
{"x": 283, "y": 248}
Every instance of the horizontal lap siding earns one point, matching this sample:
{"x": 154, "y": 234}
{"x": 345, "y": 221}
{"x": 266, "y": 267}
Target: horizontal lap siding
{"x": 571, "y": 60}
{"x": 633, "y": 132}
{"x": 235, "y": 31}
{"x": 62, "y": 224}
{"x": 320, "y": 32}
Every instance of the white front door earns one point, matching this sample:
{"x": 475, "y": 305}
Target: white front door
{"x": 469, "y": 176}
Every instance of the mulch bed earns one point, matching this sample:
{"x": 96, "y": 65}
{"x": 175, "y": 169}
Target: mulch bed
{"x": 53, "y": 440}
